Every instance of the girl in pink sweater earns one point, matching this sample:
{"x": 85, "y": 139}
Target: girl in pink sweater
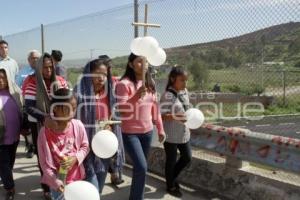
{"x": 64, "y": 148}
{"x": 139, "y": 109}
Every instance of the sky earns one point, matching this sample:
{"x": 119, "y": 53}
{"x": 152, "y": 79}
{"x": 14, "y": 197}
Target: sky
{"x": 22, "y": 15}
{"x": 87, "y": 28}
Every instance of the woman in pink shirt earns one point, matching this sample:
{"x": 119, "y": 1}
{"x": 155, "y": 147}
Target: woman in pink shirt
{"x": 64, "y": 147}
{"x": 139, "y": 109}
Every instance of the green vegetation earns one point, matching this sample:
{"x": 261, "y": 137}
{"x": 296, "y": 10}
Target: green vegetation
{"x": 73, "y": 75}
{"x": 199, "y": 73}
{"x": 275, "y": 44}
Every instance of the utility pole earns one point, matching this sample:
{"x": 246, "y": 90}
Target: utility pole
{"x": 263, "y": 43}
{"x": 92, "y": 53}
{"x": 262, "y": 67}
{"x": 136, "y": 18}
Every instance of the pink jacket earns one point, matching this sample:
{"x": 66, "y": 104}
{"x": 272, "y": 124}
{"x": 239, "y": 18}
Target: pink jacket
{"x": 138, "y": 114}
{"x": 46, "y": 161}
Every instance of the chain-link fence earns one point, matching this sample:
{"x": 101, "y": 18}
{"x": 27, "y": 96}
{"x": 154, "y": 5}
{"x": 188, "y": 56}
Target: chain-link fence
{"x": 244, "y": 51}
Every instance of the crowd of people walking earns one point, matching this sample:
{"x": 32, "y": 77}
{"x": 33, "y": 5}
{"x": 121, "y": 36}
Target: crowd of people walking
{"x": 59, "y": 122}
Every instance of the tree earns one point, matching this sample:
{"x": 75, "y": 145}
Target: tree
{"x": 278, "y": 50}
{"x": 294, "y": 46}
{"x": 216, "y": 55}
{"x": 199, "y": 72}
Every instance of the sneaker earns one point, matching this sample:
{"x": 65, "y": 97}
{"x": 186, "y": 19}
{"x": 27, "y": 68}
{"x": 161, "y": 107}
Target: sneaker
{"x": 115, "y": 180}
{"x": 10, "y": 194}
{"x": 30, "y": 152}
{"x": 174, "y": 192}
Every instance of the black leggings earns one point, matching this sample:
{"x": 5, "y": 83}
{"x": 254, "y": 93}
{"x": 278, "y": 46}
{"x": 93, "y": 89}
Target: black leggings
{"x": 7, "y": 161}
{"x": 173, "y": 166}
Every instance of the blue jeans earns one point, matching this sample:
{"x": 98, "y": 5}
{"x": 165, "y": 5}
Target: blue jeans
{"x": 98, "y": 180}
{"x": 7, "y": 161}
{"x": 137, "y": 146}
{"x": 57, "y": 195}
{"x": 101, "y": 176}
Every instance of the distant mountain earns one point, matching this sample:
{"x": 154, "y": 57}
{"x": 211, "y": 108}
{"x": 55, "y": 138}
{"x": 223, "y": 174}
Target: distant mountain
{"x": 75, "y": 63}
{"x": 275, "y": 44}
{"x": 80, "y": 63}
{"x": 279, "y": 43}
{"x": 270, "y": 34}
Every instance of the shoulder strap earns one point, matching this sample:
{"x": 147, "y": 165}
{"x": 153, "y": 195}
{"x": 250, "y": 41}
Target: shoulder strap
{"x": 178, "y": 97}
{"x": 173, "y": 92}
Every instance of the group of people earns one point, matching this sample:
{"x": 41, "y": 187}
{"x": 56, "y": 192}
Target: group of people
{"x": 62, "y": 121}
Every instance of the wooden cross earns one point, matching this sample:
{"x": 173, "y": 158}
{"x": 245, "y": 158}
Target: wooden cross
{"x": 145, "y": 25}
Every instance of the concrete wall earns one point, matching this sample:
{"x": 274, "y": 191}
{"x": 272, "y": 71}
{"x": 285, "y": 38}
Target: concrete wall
{"x": 211, "y": 173}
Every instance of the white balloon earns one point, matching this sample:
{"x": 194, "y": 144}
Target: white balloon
{"x": 158, "y": 58}
{"x": 136, "y": 45}
{"x": 151, "y": 41}
{"x": 150, "y": 46}
{"x": 194, "y": 117}
{"x": 81, "y": 190}
{"x": 105, "y": 144}
{"x": 144, "y": 46}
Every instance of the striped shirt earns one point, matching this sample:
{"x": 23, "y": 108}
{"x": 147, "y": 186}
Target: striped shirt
{"x": 29, "y": 90}
{"x": 176, "y": 132}
{"x": 29, "y": 86}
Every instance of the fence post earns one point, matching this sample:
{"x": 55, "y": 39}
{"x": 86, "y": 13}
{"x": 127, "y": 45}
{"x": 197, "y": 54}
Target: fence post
{"x": 262, "y": 76}
{"x": 42, "y": 39}
{"x": 136, "y": 18}
{"x": 284, "y": 86}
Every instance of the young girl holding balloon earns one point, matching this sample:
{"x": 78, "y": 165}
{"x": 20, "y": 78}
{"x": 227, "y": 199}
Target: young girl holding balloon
{"x": 174, "y": 104}
{"x": 139, "y": 108}
{"x": 62, "y": 151}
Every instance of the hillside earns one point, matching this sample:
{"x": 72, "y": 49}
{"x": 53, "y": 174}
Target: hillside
{"x": 280, "y": 43}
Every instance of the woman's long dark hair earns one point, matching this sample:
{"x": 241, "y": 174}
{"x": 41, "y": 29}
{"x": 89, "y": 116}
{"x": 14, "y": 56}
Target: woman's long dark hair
{"x": 97, "y": 63}
{"x": 130, "y": 74}
{"x": 174, "y": 73}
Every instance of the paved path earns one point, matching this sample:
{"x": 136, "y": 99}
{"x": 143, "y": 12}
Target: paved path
{"x": 27, "y": 184}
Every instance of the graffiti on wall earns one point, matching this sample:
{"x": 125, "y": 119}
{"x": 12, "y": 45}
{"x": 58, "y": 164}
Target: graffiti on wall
{"x": 276, "y": 151}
